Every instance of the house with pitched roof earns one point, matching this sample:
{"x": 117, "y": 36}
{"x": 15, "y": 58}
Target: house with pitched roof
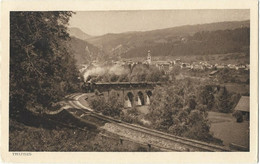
{"x": 243, "y": 106}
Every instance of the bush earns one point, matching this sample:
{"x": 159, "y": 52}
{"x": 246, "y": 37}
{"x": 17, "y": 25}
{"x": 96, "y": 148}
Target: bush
{"x": 131, "y": 116}
{"x": 127, "y": 118}
{"x": 133, "y": 112}
{"x": 238, "y": 115}
{"x": 110, "y": 106}
{"x": 223, "y": 101}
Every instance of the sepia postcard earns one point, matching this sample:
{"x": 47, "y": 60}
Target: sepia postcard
{"x": 129, "y": 81}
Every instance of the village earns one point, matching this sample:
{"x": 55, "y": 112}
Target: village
{"x": 168, "y": 65}
{"x": 194, "y": 68}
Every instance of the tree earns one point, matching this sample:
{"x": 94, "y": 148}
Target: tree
{"x": 176, "y": 109}
{"x": 238, "y": 115}
{"x": 138, "y": 73}
{"x": 207, "y": 97}
{"x": 175, "y": 71}
{"x": 42, "y": 69}
{"x": 144, "y": 73}
{"x": 111, "y": 105}
{"x": 154, "y": 74}
{"x": 223, "y": 101}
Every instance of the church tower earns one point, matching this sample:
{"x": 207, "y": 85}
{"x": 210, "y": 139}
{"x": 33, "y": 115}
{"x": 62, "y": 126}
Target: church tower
{"x": 149, "y": 58}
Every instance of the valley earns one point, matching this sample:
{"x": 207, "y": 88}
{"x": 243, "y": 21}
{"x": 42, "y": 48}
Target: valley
{"x": 204, "y": 41}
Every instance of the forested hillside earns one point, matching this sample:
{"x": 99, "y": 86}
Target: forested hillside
{"x": 201, "y": 43}
{"x": 132, "y": 40}
{"x": 85, "y": 52}
{"x": 212, "y": 38}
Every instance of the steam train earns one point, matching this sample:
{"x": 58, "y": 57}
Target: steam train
{"x": 88, "y": 87}
{"x": 106, "y": 86}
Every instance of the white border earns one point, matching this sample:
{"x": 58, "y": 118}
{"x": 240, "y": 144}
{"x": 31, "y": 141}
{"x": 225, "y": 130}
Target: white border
{"x": 123, "y": 157}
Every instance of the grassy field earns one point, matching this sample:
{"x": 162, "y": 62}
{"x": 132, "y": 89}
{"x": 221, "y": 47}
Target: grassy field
{"x": 237, "y": 88}
{"x": 225, "y": 127}
{"x": 230, "y": 58}
{"x": 39, "y": 134}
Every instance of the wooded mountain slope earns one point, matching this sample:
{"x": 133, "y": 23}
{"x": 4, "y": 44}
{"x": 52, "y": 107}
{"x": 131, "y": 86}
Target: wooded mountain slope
{"x": 201, "y": 43}
{"x": 213, "y": 38}
{"x": 117, "y": 43}
{"x": 85, "y": 52}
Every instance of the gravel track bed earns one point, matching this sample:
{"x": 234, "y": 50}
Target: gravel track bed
{"x": 146, "y": 138}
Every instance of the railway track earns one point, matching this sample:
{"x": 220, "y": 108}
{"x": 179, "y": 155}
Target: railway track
{"x": 192, "y": 145}
{"x": 184, "y": 143}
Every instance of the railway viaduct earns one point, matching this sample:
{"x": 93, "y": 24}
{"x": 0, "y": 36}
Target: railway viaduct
{"x": 131, "y": 93}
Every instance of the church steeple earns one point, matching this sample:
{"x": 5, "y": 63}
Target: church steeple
{"x": 149, "y": 57}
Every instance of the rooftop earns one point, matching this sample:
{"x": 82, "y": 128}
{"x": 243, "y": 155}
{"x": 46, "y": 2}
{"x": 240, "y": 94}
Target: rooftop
{"x": 243, "y": 104}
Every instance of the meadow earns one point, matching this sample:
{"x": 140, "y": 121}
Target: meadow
{"x": 225, "y": 127}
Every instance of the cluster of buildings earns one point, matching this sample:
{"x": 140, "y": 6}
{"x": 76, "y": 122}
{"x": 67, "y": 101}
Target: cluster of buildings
{"x": 205, "y": 65}
{"x": 167, "y": 65}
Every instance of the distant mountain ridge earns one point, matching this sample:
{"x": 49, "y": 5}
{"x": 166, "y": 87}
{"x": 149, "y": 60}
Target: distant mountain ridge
{"x": 78, "y": 33}
{"x": 131, "y": 40}
{"x": 201, "y": 43}
{"x": 85, "y": 52}
{"x": 222, "y": 37}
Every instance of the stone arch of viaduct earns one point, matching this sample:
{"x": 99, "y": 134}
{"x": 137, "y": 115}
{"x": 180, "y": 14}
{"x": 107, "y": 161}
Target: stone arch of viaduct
{"x": 136, "y": 97}
{"x": 131, "y": 94}
{"x": 133, "y": 97}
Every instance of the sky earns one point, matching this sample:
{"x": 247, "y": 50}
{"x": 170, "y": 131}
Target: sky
{"x": 102, "y": 22}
